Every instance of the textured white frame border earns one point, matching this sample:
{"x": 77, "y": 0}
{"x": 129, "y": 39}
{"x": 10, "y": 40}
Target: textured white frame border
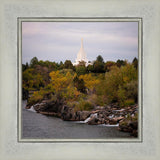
{"x": 10, "y": 148}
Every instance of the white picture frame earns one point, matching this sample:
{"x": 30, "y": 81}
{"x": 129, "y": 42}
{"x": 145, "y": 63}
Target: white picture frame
{"x": 12, "y": 148}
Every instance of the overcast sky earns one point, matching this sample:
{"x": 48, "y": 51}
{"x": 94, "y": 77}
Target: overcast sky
{"x": 60, "y": 41}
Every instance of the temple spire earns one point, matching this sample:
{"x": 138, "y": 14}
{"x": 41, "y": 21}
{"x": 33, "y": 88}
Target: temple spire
{"x": 81, "y": 56}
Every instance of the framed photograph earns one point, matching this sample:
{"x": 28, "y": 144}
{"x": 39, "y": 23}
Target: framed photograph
{"x": 96, "y": 96}
{"x": 79, "y": 81}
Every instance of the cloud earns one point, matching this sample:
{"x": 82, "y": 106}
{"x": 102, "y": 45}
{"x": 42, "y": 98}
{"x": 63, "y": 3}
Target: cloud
{"x": 57, "y": 41}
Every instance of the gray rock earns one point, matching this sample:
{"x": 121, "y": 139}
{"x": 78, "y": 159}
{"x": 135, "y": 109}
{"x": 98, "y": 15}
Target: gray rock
{"x": 84, "y": 115}
{"x": 93, "y": 121}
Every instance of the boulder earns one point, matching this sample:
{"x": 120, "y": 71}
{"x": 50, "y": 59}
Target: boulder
{"x": 129, "y": 126}
{"x": 84, "y": 115}
{"x": 99, "y": 108}
{"x": 112, "y": 121}
{"x": 134, "y": 133}
{"x": 48, "y": 106}
{"x": 96, "y": 111}
{"x": 66, "y": 113}
{"x": 93, "y": 121}
{"x": 117, "y": 119}
{"x": 133, "y": 125}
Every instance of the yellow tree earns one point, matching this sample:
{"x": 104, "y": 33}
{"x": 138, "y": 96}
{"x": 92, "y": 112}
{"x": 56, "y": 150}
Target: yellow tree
{"x": 62, "y": 84}
{"x": 90, "y": 81}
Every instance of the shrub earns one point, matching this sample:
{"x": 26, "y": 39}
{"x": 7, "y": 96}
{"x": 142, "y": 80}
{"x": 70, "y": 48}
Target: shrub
{"x": 130, "y": 118}
{"x": 83, "y": 105}
{"x": 70, "y": 93}
{"x": 121, "y": 96}
{"x": 72, "y": 104}
{"x": 87, "y": 105}
{"x": 129, "y": 102}
{"x": 64, "y": 71}
{"x": 37, "y": 97}
{"x": 132, "y": 90}
{"x": 135, "y": 118}
{"x": 124, "y": 77}
{"x": 80, "y": 70}
{"x": 98, "y": 100}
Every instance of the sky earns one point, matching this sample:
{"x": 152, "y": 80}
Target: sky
{"x": 60, "y": 41}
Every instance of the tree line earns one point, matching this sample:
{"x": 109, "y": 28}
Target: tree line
{"x": 98, "y": 66}
{"x": 100, "y": 83}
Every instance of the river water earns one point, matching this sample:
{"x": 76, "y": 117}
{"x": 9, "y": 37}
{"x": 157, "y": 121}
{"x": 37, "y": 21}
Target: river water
{"x": 35, "y": 125}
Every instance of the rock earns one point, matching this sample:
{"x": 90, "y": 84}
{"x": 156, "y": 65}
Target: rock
{"x": 66, "y": 113}
{"x": 84, "y": 115}
{"x": 48, "y": 106}
{"x": 117, "y": 119}
{"x": 134, "y": 133}
{"x": 93, "y": 121}
{"x": 40, "y": 107}
{"x": 25, "y": 94}
{"x": 133, "y": 125}
{"x": 103, "y": 121}
{"x": 112, "y": 121}
{"x": 129, "y": 126}
{"x": 99, "y": 108}
{"x": 28, "y": 107}
{"x": 51, "y": 114}
{"x": 106, "y": 121}
{"x": 96, "y": 111}
{"x": 100, "y": 115}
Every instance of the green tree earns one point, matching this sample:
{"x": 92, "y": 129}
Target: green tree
{"x": 117, "y": 79}
{"x": 90, "y": 68}
{"x": 81, "y": 70}
{"x": 33, "y": 62}
{"x": 98, "y": 67}
{"x": 121, "y": 94}
{"x": 131, "y": 89}
{"x": 120, "y": 63}
{"x": 68, "y": 64}
{"x": 79, "y": 84}
{"x": 100, "y": 59}
{"x": 61, "y": 65}
{"x": 25, "y": 66}
{"x": 108, "y": 65}
{"x": 135, "y": 62}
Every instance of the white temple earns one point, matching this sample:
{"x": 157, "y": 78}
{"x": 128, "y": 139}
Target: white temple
{"x": 81, "y": 56}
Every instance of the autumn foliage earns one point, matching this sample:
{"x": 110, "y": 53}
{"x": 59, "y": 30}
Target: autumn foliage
{"x": 83, "y": 87}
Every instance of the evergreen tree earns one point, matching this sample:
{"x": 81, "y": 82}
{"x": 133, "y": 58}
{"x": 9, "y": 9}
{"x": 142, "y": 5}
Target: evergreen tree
{"x": 33, "y": 61}
{"x": 68, "y": 64}
{"x": 135, "y": 62}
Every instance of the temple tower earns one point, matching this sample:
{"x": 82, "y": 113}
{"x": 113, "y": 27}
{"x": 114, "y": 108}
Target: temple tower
{"x": 81, "y": 56}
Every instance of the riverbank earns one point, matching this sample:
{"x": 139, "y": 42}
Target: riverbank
{"x": 124, "y": 118}
{"x": 39, "y": 126}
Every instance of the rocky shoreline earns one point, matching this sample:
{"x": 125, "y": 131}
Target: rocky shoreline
{"x": 124, "y": 118}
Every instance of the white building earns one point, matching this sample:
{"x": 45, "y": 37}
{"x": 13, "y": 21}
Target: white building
{"x": 81, "y": 56}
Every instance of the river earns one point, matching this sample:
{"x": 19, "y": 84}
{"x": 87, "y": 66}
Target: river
{"x": 35, "y": 125}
